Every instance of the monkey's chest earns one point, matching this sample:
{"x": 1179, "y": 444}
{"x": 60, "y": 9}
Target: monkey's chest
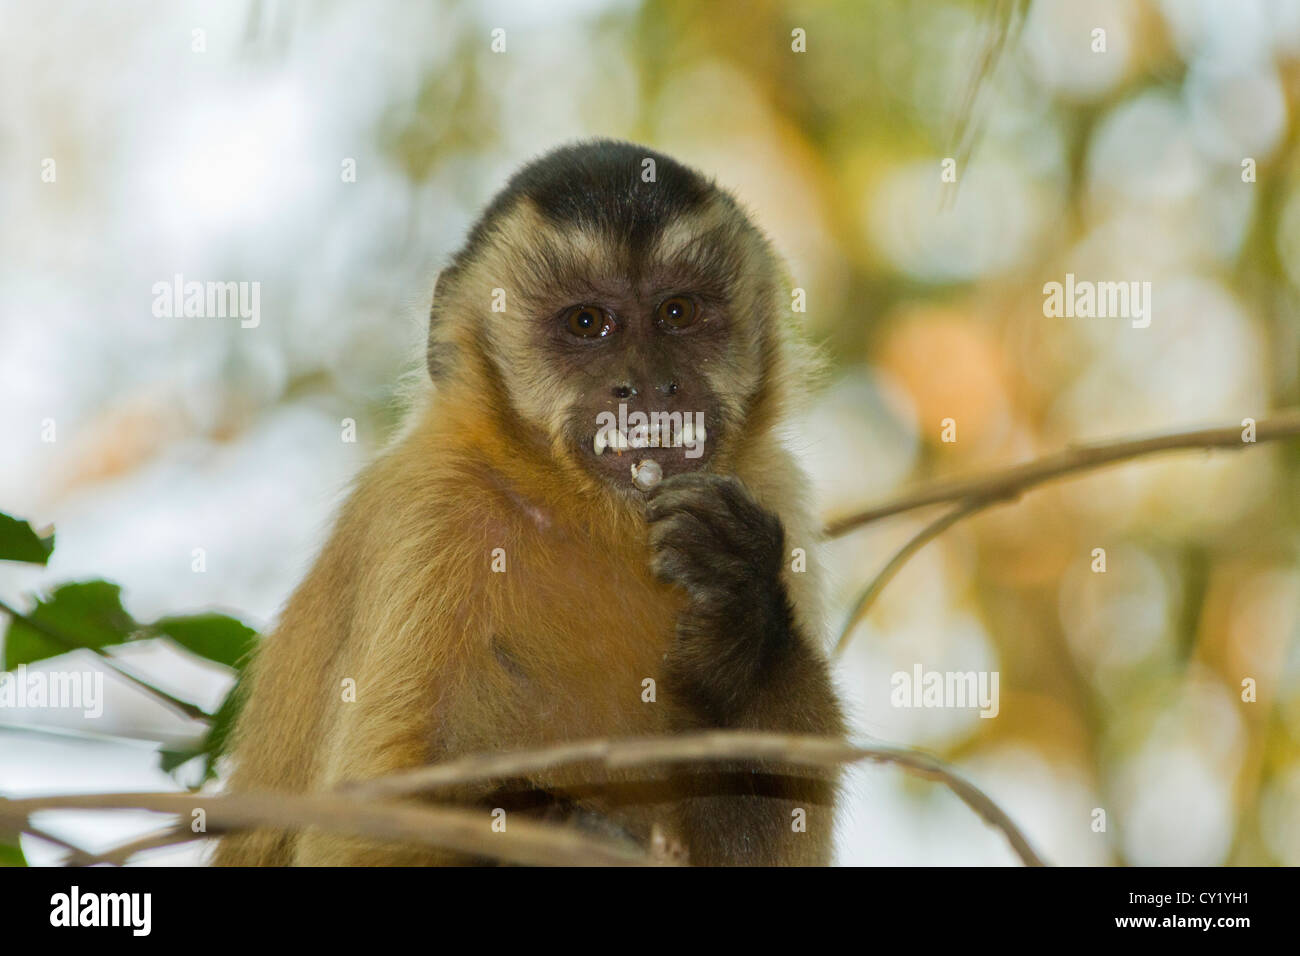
{"x": 579, "y": 646}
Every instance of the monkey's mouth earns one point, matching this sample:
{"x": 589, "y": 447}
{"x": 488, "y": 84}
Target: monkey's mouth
{"x": 621, "y": 454}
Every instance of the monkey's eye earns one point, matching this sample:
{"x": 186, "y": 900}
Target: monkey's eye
{"x": 677, "y": 312}
{"x": 588, "y": 322}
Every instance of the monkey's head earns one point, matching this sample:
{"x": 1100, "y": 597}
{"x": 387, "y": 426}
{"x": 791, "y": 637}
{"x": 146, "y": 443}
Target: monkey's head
{"x": 613, "y": 305}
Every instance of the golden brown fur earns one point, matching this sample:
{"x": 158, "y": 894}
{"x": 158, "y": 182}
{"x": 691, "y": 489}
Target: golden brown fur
{"x": 450, "y": 657}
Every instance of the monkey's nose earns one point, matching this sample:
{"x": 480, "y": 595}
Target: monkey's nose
{"x": 625, "y": 391}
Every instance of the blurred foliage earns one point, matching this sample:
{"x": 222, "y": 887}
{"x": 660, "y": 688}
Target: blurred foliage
{"x": 926, "y": 298}
{"x": 18, "y": 542}
{"x": 11, "y": 854}
{"x": 90, "y": 615}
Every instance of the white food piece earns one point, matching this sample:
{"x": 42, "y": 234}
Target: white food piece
{"x": 600, "y": 442}
{"x": 646, "y": 474}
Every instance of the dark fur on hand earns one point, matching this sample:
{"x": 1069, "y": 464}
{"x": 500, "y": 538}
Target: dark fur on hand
{"x": 709, "y": 536}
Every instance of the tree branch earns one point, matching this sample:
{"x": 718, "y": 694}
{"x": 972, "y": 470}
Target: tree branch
{"x": 868, "y": 595}
{"x": 119, "y": 855}
{"x": 699, "y": 747}
{"x": 1012, "y": 482}
{"x": 464, "y": 831}
{"x": 48, "y": 837}
{"x": 366, "y": 809}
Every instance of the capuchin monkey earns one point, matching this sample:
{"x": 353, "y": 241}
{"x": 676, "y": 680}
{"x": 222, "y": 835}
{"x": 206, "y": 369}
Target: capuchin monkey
{"x": 499, "y": 579}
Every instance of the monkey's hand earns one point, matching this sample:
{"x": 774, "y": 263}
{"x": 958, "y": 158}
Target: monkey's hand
{"x": 735, "y": 636}
{"x": 738, "y": 661}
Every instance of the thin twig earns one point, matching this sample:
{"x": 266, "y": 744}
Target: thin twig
{"x": 699, "y": 747}
{"x": 464, "y": 831}
{"x": 1002, "y": 31}
{"x": 927, "y": 534}
{"x": 48, "y": 837}
{"x": 185, "y": 708}
{"x": 1010, "y": 483}
{"x": 119, "y": 855}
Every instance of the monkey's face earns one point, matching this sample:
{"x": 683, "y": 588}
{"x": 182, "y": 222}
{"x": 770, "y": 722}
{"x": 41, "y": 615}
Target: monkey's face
{"x": 621, "y": 359}
{"x": 625, "y": 319}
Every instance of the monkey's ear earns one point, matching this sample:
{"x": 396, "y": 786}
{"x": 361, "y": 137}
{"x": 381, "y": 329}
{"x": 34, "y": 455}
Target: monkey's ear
{"x": 440, "y": 351}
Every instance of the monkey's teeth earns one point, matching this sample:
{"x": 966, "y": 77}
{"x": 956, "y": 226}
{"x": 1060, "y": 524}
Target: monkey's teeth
{"x": 600, "y": 442}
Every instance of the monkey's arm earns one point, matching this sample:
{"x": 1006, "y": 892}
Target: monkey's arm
{"x": 739, "y": 661}
{"x": 358, "y": 677}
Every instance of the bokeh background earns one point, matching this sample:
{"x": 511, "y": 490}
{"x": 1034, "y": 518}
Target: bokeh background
{"x": 1119, "y": 691}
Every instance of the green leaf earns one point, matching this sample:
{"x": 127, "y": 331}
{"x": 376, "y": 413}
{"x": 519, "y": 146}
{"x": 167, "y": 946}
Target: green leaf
{"x": 85, "y": 614}
{"x": 19, "y": 542}
{"x": 214, "y": 741}
{"x": 217, "y": 637}
{"x": 11, "y": 854}
{"x": 170, "y": 760}
{"x": 223, "y": 722}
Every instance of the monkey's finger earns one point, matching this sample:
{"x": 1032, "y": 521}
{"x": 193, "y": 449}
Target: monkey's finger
{"x": 706, "y": 508}
{"x": 726, "y": 489}
{"x": 678, "y": 566}
{"x": 681, "y": 529}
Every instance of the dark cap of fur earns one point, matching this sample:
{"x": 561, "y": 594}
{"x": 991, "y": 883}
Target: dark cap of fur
{"x": 598, "y": 184}
{"x": 593, "y": 184}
